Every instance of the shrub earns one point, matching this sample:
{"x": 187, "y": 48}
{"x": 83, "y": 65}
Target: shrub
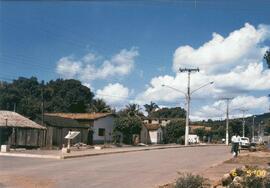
{"x": 191, "y": 181}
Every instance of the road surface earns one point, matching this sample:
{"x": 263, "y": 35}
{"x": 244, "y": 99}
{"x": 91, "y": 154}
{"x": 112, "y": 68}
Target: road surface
{"x": 126, "y": 170}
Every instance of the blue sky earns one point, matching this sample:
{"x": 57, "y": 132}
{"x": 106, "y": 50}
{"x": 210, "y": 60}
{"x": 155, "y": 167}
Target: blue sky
{"x": 138, "y": 41}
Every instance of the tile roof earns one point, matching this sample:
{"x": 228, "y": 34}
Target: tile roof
{"x": 13, "y": 119}
{"x": 80, "y": 116}
{"x": 152, "y": 127}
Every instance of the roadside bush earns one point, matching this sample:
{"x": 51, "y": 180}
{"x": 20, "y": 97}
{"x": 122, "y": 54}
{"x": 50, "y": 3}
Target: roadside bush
{"x": 191, "y": 181}
{"x": 249, "y": 177}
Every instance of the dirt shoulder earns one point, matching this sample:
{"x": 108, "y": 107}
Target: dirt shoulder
{"x": 260, "y": 158}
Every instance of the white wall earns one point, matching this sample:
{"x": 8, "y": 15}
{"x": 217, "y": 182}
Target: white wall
{"x": 107, "y": 124}
{"x": 154, "y": 136}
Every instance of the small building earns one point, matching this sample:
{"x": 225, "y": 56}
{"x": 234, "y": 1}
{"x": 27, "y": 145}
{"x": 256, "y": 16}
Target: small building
{"x": 151, "y": 134}
{"x": 94, "y": 128}
{"x": 19, "y": 131}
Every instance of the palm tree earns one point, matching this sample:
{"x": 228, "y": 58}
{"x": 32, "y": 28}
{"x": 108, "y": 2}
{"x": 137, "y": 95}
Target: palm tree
{"x": 150, "y": 108}
{"x": 99, "y": 105}
{"x": 133, "y": 110}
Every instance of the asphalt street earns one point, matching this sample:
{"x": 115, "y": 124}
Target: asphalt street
{"x": 137, "y": 169}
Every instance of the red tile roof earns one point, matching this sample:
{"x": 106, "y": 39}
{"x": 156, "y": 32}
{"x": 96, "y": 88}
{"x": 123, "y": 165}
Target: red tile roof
{"x": 80, "y": 116}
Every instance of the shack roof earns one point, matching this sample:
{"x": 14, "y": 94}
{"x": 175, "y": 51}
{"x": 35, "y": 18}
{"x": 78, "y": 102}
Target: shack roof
{"x": 152, "y": 127}
{"x": 13, "y": 119}
{"x": 80, "y": 116}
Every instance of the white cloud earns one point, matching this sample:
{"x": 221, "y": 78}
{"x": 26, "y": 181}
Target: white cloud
{"x": 218, "y": 108}
{"x": 234, "y": 63}
{"x": 67, "y": 67}
{"x": 242, "y": 46}
{"x": 86, "y": 69}
{"x": 114, "y": 94}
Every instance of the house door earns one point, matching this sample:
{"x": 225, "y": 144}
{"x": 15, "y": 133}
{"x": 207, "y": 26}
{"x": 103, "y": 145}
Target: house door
{"x": 90, "y": 137}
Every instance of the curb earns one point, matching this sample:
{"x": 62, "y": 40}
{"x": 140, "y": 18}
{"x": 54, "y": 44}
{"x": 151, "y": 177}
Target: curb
{"x": 30, "y": 155}
{"x": 101, "y": 153}
{"x": 135, "y": 150}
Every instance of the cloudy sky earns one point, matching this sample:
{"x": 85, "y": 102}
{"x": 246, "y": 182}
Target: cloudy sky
{"x": 124, "y": 51}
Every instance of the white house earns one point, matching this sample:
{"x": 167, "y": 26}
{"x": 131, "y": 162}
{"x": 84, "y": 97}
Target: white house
{"x": 151, "y": 134}
{"x": 94, "y": 128}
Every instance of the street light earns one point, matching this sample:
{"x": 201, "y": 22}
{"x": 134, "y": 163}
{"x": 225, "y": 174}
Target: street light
{"x": 188, "y": 97}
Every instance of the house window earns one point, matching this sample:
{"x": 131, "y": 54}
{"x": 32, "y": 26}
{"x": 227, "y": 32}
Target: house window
{"x": 101, "y": 132}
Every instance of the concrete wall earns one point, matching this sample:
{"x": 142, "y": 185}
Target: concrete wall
{"x": 156, "y": 136}
{"x": 151, "y": 137}
{"x": 144, "y": 136}
{"x": 105, "y": 123}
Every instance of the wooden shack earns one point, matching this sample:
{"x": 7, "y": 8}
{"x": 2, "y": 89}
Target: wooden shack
{"x": 19, "y": 131}
{"x": 94, "y": 128}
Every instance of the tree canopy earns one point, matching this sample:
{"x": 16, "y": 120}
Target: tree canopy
{"x": 99, "y": 105}
{"x": 150, "y": 108}
{"x": 25, "y": 95}
{"x": 176, "y": 112}
{"x": 174, "y": 131}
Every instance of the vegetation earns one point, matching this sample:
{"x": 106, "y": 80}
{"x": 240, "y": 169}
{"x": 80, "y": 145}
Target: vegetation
{"x": 25, "y": 95}
{"x": 99, "y": 105}
{"x": 174, "y": 131}
{"x": 131, "y": 110}
{"x": 150, "y": 108}
{"x": 247, "y": 176}
{"x": 176, "y": 112}
{"x": 191, "y": 181}
{"x": 129, "y": 122}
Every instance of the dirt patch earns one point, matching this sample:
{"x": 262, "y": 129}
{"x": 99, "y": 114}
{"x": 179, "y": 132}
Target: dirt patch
{"x": 7, "y": 181}
{"x": 250, "y": 160}
{"x": 215, "y": 173}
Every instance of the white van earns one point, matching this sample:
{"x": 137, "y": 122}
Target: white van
{"x": 244, "y": 142}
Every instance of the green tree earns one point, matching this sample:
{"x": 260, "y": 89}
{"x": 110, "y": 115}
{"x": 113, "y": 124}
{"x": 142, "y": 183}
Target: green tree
{"x": 174, "y": 131}
{"x": 176, "y": 112}
{"x": 131, "y": 110}
{"x": 59, "y": 96}
{"x": 67, "y": 96}
{"x": 128, "y": 126}
{"x": 201, "y": 132}
{"x": 150, "y": 108}
{"x": 99, "y": 105}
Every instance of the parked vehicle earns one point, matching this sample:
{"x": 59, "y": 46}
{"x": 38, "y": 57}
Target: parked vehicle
{"x": 244, "y": 142}
{"x": 193, "y": 139}
{"x": 256, "y": 140}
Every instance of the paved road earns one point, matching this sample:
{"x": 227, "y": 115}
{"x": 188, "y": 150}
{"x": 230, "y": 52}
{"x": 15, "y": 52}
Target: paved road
{"x": 138, "y": 169}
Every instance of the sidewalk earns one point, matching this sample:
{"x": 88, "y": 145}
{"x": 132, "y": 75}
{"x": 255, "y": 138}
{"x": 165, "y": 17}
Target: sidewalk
{"x": 57, "y": 154}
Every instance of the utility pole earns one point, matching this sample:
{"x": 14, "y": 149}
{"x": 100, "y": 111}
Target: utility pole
{"x": 243, "y": 122}
{"x": 227, "y": 99}
{"x": 189, "y": 71}
{"x": 253, "y": 127}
